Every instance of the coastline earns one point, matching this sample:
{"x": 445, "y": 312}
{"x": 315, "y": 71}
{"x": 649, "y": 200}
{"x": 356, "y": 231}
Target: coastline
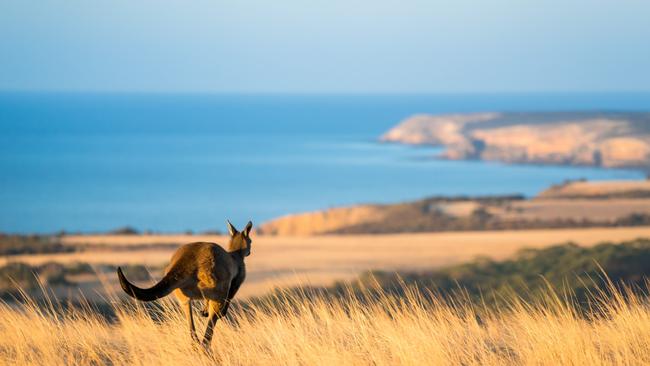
{"x": 573, "y": 204}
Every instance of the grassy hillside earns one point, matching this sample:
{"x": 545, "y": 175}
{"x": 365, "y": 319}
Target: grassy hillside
{"x": 572, "y": 270}
{"x": 569, "y": 268}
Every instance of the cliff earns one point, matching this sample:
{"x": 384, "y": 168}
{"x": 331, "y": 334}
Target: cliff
{"x": 607, "y": 139}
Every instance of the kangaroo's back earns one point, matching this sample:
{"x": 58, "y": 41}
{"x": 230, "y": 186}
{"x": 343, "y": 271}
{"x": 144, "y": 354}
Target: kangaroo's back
{"x": 201, "y": 262}
{"x": 194, "y": 256}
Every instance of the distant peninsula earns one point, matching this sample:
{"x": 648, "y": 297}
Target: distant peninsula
{"x": 572, "y": 204}
{"x": 604, "y": 139}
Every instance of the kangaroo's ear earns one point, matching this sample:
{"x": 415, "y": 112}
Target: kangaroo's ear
{"x": 231, "y": 229}
{"x": 247, "y": 229}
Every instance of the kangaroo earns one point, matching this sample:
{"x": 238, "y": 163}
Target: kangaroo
{"x": 201, "y": 271}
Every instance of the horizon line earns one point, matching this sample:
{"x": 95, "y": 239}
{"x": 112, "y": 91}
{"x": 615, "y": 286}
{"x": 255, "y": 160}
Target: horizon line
{"x": 319, "y": 93}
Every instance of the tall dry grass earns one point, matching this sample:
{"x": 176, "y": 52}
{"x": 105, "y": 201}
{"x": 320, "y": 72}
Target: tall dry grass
{"x": 320, "y": 331}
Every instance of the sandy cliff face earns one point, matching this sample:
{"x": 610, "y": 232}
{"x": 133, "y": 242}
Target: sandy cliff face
{"x": 321, "y": 222}
{"x": 599, "y": 139}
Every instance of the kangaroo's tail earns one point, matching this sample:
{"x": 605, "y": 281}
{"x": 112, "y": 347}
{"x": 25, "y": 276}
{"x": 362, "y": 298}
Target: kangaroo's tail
{"x": 161, "y": 289}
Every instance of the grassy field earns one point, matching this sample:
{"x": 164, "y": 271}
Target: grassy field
{"x": 312, "y": 331}
{"x": 421, "y": 318}
{"x": 289, "y": 261}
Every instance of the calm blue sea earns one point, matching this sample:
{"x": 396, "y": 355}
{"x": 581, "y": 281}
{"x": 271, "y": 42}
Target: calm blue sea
{"x": 94, "y": 162}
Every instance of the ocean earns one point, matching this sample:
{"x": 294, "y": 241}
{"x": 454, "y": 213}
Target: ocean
{"x": 171, "y": 163}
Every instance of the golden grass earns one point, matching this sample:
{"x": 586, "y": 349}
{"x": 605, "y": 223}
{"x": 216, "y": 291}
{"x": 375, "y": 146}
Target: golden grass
{"x": 389, "y": 331}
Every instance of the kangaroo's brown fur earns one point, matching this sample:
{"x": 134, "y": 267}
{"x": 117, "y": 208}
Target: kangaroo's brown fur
{"x": 201, "y": 271}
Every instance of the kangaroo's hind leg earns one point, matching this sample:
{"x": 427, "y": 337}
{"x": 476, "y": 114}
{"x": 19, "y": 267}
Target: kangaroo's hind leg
{"x": 216, "y": 305}
{"x": 186, "y": 304}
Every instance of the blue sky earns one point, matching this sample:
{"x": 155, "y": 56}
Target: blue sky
{"x": 328, "y": 46}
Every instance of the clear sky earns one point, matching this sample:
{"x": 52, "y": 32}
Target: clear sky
{"x": 325, "y": 46}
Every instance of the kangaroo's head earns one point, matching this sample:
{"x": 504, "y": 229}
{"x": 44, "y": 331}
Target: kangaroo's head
{"x": 240, "y": 241}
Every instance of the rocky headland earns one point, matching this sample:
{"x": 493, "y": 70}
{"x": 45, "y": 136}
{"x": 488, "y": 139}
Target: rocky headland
{"x": 606, "y": 139}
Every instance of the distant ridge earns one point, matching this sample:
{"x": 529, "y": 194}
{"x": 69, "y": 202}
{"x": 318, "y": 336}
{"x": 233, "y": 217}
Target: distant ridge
{"x": 567, "y": 205}
{"x": 598, "y": 190}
